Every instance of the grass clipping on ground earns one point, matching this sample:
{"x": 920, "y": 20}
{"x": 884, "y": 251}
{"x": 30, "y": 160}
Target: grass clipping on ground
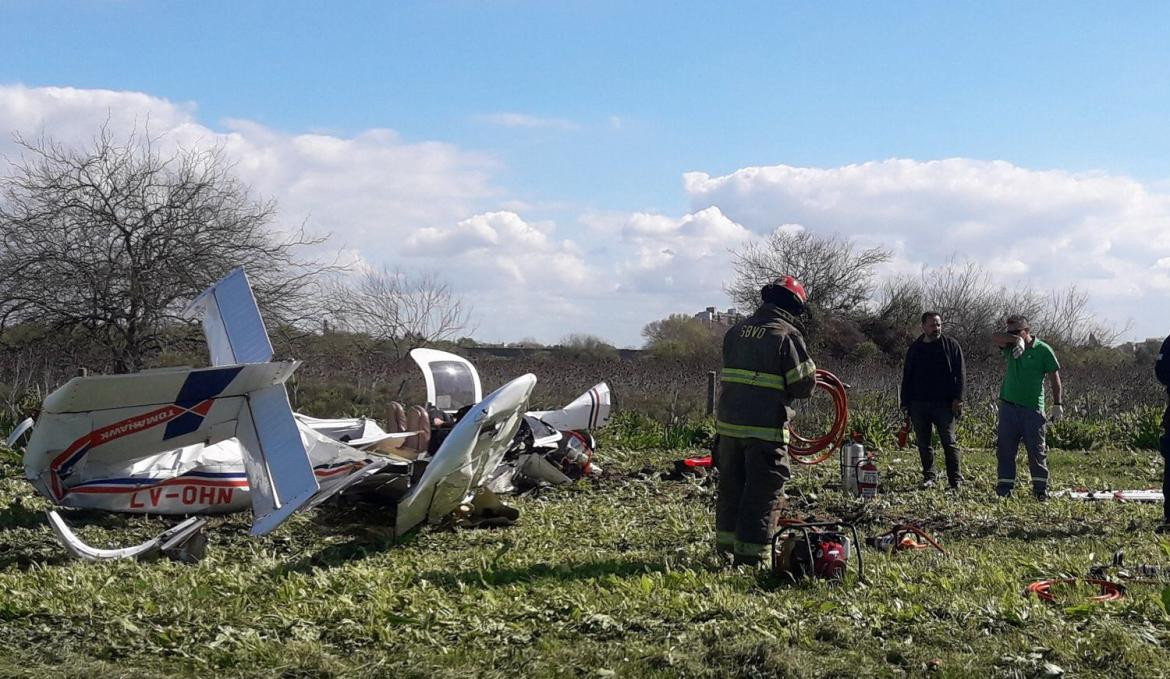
{"x": 608, "y": 578}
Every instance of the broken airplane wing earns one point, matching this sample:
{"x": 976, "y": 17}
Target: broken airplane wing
{"x": 472, "y": 450}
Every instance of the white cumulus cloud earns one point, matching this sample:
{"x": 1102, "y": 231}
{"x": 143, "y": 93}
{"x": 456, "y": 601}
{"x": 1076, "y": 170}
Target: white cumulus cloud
{"x": 684, "y": 258}
{"x": 1050, "y": 228}
{"x": 371, "y": 190}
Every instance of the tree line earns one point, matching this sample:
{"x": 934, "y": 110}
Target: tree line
{"x": 855, "y": 315}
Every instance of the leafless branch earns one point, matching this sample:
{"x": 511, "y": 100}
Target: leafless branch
{"x": 114, "y": 238}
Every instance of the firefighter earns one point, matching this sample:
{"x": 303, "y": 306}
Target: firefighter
{"x": 765, "y": 366}
{"x": 1162, "y": 372}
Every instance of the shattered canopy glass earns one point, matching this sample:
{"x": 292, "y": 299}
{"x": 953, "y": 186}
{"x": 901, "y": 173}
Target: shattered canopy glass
{"x": 454, "y": 385}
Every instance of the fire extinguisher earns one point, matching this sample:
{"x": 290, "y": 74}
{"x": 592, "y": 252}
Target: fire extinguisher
{"x": 904, "y": 432}
{"x": 852, "y": 454}
{"x": 867, "y": 477}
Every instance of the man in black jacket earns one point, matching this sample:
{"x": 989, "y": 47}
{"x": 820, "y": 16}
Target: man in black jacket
{"x": 933, "y": 378}
{"x": 1162, "y": 372}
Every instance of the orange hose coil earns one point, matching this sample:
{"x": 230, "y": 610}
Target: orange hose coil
{"x": 816, "y": 450}
{"x": 1110, "y": 591}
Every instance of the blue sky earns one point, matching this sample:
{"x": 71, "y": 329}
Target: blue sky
{"x": 574, "y": 112}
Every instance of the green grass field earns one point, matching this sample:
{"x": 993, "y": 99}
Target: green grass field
{"x": 613, "y": 578}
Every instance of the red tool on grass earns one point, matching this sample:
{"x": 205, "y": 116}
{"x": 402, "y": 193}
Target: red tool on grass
{"x": 1110, "y": 591}
{"x": 904, "y": 537}
{"x": 904, "y": 433}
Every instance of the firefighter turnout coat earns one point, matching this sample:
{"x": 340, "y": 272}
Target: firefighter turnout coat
{"x": 765, "y": 366}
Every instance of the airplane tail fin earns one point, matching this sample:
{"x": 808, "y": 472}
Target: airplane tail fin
{"x": 280, "y": 474}
{"x": 588, "y": 411}
{"x": 231, "y": 321}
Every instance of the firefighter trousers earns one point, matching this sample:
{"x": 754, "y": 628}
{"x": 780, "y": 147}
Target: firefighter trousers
{"x": 752, "y": 474}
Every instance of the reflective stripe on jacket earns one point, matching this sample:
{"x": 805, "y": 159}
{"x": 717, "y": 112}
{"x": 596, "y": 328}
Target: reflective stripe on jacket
{"x": 765, "y": 366}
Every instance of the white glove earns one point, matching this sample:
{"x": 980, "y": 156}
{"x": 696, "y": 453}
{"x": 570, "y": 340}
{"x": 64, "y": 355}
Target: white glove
{"x": 1018, "y": 349}
{"x": 1056, "y": 414}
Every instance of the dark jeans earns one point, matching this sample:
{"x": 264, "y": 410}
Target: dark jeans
{"x": 1018, "y": 423}
{"x": 927, "y": 414}
{"x": 1165, "y": 447}
{"x": 752, "y": 474}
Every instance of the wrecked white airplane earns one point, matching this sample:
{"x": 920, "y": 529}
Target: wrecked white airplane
{"x": 220, "y": 439}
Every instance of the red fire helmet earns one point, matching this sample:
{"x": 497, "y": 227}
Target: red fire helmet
{"x": 792, "y": 285}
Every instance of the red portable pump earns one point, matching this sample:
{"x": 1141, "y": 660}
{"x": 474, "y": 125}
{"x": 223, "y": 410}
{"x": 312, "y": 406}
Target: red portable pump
{"x": 829, "y": 558}
{"x": 820, "y": 549}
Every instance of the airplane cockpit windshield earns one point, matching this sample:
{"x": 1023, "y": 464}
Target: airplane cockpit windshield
{"x": 454, "y": 385}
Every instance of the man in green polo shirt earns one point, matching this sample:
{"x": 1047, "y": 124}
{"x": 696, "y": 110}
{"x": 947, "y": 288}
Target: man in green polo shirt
{"x": 1021, "y": 405}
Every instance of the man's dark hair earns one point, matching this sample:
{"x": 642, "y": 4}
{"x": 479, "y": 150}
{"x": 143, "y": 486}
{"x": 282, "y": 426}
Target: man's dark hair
{"x": 927, "y": 315}
{"x": 1018, "y": 319}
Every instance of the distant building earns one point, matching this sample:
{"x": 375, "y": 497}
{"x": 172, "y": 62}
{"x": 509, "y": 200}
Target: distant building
{"x": 715, "y": 317}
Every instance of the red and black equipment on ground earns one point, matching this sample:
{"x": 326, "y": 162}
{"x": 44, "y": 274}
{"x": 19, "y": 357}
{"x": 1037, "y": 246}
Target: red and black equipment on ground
{"x": 904, "y": 537}
{"x": 1149, "y": 574}
{"x": 815, "y": 549}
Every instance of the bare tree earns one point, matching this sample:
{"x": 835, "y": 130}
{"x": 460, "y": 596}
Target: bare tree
{"x": 836, "y": 273}
{"x": 1067, "y": 320}
{"x": 400, "y": 310}
{"x": 899, "y": 300}
{"x": 972, "y": 306}
{"x": 110, "y": 240}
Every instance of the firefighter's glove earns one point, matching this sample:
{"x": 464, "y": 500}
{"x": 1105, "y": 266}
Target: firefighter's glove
{"x": 1056, "y": 414}
{"x": 1018, "y": 349}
